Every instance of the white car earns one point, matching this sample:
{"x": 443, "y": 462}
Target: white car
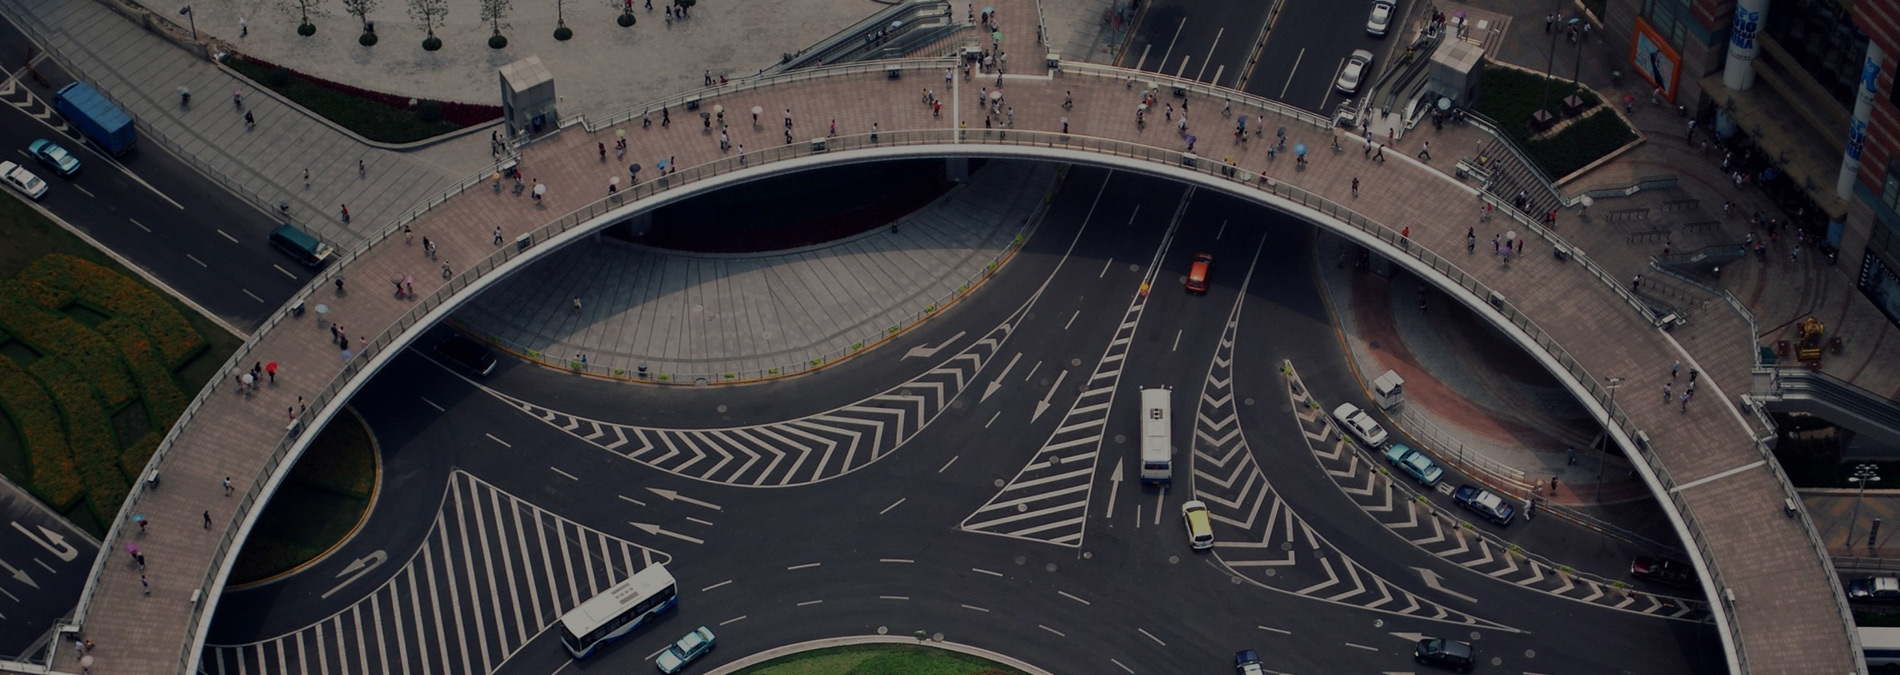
{"x": 1381, "y": 18}
{"x": 20, "y": 179}
{"x": 1358, "y": 66}
{"x": 1359, "y": 425}
{"x": 685, "y": 651}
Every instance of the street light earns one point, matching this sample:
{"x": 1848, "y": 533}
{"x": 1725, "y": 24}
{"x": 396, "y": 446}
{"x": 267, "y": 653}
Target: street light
{"x": 186, "y": 11}
{"x": 1612, "y": 384}
{"x": 1863, "y": 474}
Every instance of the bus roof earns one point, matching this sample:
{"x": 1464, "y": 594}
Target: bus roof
{"x": 1879, "y": 638}
{"x": 611, "y": 602}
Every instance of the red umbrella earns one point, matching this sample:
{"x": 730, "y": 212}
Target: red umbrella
{"x": 271, "y": 367}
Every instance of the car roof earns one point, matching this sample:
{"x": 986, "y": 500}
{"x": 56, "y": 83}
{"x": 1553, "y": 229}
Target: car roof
{"x": 1488, "y": 498}
{"x": 1361, "y": 54}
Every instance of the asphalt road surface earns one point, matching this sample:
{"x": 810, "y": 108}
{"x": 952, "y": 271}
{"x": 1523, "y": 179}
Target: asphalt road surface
{"x": 956, "y": 503}
{"x": 43, "y": 565}
{"x": 152, "y": 209}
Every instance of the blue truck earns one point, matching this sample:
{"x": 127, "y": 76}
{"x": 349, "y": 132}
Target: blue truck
{"x": 98, "y": 117}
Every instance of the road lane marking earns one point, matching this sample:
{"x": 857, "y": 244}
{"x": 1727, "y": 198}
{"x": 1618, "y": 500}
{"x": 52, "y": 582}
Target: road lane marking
{"x": 1161, "y": 498}
{"x": 1329, "y": 87}
{"x": 1210, "y": 56}
{"x": 946, "y": 465}
{"x": 1052, "y": 630}
{"x": 900, "y": 500}
{"x": 1177, "y": 341}
{"x": 1151, "y": 636}
{"x": 502, "y": 442}
{"x": 1071, "y": 319}
{"x": 805, "y": 566}
{"x": 809, "y": 602}
{"x": 140, "y": 225}
{"x": 1291, "y": 71}
{"x": 636, "y": 502}
{"x": 893, "y": 597}
{"x": 980, "y": 609}
{"x": 433, "y": 405}
{"x": 569, "y": 476}
{"x": 650, "y": 528}
{"x": 986, "y": 425}
{"x": 88, "y": 193}
{"x": 1118, "y": 664}
{"x": 1105, "y": 265}
{"x": 286, "y": 272}
{"x": 227, "y": 236}
{"x": 1032, "y": 371}
{"x": 674, "y": 496}
{"x": 707, "y": 523}
{"x": 1370, "y": 649}
{"x": 906, "y": 561}
{"x": 195, "y": 259}
{"x": 733, "y": 620}
{"x": 722, "y": 583}
{"x": 979, "y": 570}
{"x": 1275, "y": 630}
{"x": 1223, "y": 230}
{"x": 253, "y": 295}
{"x": 1071, "y": 597}
{"x": 1170, "y": 50}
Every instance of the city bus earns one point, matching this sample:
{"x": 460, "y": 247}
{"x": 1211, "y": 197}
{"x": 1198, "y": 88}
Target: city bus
{"x": 1881, "y": 648}
{"x": 1157, "y": 462}
{"x": 618, "y": 610}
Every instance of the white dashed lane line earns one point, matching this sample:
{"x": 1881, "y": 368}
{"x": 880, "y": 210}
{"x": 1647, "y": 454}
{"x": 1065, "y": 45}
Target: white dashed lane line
{"x": 722, "y": 583}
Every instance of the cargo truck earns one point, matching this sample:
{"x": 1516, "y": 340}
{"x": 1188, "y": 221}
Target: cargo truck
{"x": 102, "y": 121}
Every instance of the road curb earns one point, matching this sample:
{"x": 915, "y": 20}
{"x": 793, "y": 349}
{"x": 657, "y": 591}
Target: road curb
{"x": 794, "y": 648}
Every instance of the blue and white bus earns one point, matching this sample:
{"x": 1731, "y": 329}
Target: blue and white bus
{"x": 1881, "y": 648}
{"x": 618, "y": 610}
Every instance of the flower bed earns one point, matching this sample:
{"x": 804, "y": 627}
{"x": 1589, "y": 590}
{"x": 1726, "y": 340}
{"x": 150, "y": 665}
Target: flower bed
{"x": 55, "y": 334}
{"x": 157, "y": 388}
{"x": 375, "y": 115}
{"x": 54, "y": 479}
{"x": 88, "y": 433}
{"x": 115, "y": 294}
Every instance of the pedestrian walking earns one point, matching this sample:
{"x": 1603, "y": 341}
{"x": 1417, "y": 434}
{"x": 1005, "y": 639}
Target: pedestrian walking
{"x": 1693, "y": 372}
{"x": 362, "y": 170}
{"x": 306, "y": 178}
{"x": 1667, "y": 386}
{"x": 788, "y": 118}
{"x": 227, "y": 486}
{"x": 1795, "y": 254}
{"x": 339, "y": 285}
{"x": 1065, "y": 124}
{"x": 1673, "y": 367}
{"x": 741, "y": 153}
{"x": 1685, "y": 401}
{"x": 1471, "y": 240}
{"x": 1368, "y": 150}
{"x": 244, "y": 27}
{"x": 1690, "y": 136}
{"x": 146, "y": 584}
{"x": 666, "y": 118}
{"x": 346, "y": 213}
{"x": 1355, "y": 186}
{"x": 1636, "y": 284}
{"x": 1550, "y": 22}
{"x": 577, "y": 304}
{"x": 873, "y": 132}
{"x": 249, "y": 121}
{"x": 1425, "y": 152}
{"x": 834, "y": 124}
{"x": 1553, "y": 486}
{"x": 428, "y": 248}
{"x": 1379, "y": 154}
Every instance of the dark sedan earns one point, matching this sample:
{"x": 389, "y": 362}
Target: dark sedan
{"x": 1485, "y": 503}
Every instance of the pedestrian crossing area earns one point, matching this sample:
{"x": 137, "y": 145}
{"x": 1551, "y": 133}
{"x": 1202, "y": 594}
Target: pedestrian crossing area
{"x": 792, "y": 452}
{"x": 1256, "y": 532}
{"x": 1048, "y": 499}
{"x": 492, "y": 573}
{"x": 1449, "y": 534}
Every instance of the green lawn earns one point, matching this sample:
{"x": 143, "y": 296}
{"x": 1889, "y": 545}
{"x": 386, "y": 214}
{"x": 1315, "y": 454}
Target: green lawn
{"x": 370, "y": 119}
{"x": 1509, "y": 97}
{"x": 95, "y": 365}
{"x": 317, "y": 506}
{"x": 879, "y": 659}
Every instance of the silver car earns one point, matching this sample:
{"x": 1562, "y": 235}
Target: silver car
{"x": 1381, "y": 18}
{"x": 1358, "y": 66}
{"x": 18, "y": 178}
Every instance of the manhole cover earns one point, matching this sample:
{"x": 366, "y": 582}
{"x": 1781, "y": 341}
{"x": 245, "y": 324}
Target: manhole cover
{"x": 722, "y": 407}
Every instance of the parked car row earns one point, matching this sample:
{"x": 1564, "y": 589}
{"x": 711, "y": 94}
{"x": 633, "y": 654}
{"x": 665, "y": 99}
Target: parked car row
{"x": 52, "y": 155}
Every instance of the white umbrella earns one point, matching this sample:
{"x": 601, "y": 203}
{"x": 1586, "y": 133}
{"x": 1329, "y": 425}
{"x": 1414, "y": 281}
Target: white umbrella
{"x": 541, "y": 189}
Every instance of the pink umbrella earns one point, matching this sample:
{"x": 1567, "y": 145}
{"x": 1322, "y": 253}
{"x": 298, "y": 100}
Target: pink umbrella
{"x": 132, "y": 549}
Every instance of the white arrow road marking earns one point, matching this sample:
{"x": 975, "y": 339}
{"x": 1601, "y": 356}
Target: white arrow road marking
{"x": 655, "y": 529}
{"x": 20, "y": 575}
{"x": 1043, "y": 405}
{"x": 1114, "y": 487}
{"x": 1432, "y": 580}
{"x": 674, "y": 496}
{"x": 998, "y": 382}
{"x": 52, "y": 542}
{"x": 357, "y": 569}
{"x": 924, "y": 351}
{"x": 1409, "y": 637}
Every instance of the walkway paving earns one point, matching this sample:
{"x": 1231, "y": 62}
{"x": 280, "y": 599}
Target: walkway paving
{"x": 1838, "y": 520}
{"x": 707, "y": 316}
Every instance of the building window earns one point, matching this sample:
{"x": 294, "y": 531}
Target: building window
{"x": 1821, "y": 36}
{"x": 1668, "y": 17}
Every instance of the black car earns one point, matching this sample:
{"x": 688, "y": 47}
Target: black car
{"x": 1664, "y": 571}
{"x": 467, "y": 353}
{"x": 1485, "y": 503}
{"x": 1445, "y": 653}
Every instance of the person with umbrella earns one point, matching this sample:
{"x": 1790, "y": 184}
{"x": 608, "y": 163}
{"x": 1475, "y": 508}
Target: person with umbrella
{"x": 270, "y": 369}
{"x": 1299, "y": 154}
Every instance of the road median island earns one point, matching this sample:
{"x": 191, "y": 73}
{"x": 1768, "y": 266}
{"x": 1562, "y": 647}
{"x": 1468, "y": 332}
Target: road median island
{"x": 319, "y": 506}
{"x": 879, "y": 659}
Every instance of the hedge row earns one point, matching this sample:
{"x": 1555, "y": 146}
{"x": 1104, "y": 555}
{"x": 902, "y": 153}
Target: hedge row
{"x": 118, "y": 295}
{"x": 88, "y": 431}
{"x": 54, "y": 479}
{"x": 55, "y": 334}
{"x": 157, "y": 388}
{"x": 1585, "y": 141}
{"x": 133, "y": 461}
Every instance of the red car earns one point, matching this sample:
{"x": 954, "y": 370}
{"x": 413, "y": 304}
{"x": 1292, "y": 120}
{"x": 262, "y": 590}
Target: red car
{"x": 1197, "y": 272}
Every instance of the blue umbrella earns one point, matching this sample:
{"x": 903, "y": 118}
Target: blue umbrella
{"x": 1299, "y": 149}
{"x": 633, "y": 168}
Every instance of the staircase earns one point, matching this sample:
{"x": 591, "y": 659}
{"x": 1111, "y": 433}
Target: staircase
{"x": 1510, "y": 177}
{"x": 1874, "y": 418}
{"x": 920, "y": 23}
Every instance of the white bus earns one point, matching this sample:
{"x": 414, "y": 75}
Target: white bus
{"x": 1881, "y": 648}
{"x": 618, "y": 610}
{"x": 1157, "y": 461}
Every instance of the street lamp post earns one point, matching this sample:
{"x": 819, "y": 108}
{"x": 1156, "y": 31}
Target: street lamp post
{"x": 186, "y": 10}
{"x": 1863, "y": 474}
{"x": 1612, "y": 384}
